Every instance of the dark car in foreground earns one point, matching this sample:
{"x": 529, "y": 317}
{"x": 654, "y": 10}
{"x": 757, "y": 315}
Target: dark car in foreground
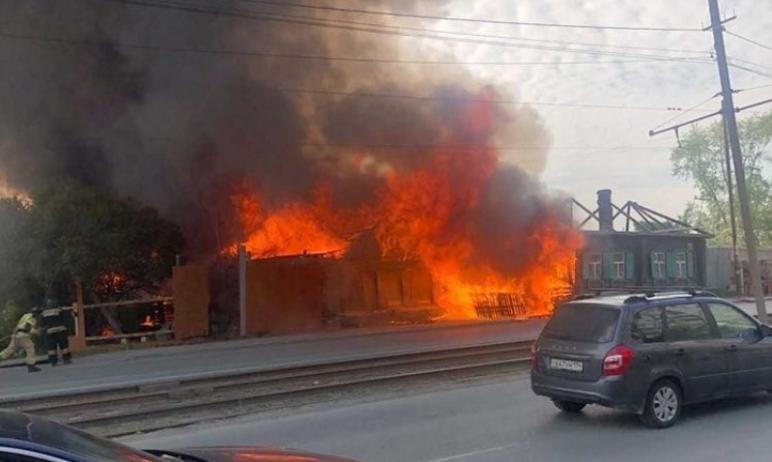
{"x": 26, "y": 438}
{"x": 650, "y": 354}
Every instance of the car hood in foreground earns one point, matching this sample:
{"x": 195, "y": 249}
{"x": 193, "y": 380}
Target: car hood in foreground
{"x": 255, "y": 454}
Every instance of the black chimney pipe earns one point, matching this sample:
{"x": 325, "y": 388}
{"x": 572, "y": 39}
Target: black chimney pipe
{"x": 605, "y": 213}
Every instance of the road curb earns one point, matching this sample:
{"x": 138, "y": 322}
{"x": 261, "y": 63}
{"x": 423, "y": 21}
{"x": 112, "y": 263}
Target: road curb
{"x": 345, "y": 333}
{"x": 171, "y": 380}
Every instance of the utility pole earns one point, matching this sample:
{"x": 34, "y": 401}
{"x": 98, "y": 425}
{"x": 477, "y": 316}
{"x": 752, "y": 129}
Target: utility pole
{"x": 738, "y": 277}
{"x": 734, "y": 143}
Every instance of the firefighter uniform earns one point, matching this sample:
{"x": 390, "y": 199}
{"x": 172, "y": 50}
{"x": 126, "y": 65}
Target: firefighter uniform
{"x": 21, "y": 338}
{"x": 54, "y": 320}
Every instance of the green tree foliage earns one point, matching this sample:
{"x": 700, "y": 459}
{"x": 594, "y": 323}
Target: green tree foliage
{"x": 701, "y": 159}
{"x": 117, "y": 247}
{"x": 9, "y": 317}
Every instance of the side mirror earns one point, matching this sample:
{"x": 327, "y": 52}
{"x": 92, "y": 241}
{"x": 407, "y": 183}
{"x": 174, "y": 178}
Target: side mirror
{"x": 752, "y": 335}
{"x": 766, "y": 331}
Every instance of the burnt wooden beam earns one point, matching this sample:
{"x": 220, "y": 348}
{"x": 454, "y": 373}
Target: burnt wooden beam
{"x": 674, "y": 220}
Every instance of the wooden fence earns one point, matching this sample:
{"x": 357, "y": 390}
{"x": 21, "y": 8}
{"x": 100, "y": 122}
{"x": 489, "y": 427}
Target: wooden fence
{"x": 115, "y": 332}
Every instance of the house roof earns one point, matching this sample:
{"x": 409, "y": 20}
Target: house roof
{"x": 639, "y": 220}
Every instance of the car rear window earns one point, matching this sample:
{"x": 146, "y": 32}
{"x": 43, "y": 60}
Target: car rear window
{"x": 583, "y": 322}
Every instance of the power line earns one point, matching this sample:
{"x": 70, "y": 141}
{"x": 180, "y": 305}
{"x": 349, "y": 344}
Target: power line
{"x": 382, "y": 29}
{"x": 748, "y": 69}
{"x": 481, "y": 146}
{"x": 498, "y": 36}
{"x": 759, "y": 44}
{"x": 472, "y": 20}
{"x": 758, "y": 87}
{"x": 353, "y": 94}
{"x": 448, "y": 98}
{"x": 171, "y": 4}
{"x": 296, "y": 56}
{"x": 751, "y": 63}
{"x": 686, "y": 111}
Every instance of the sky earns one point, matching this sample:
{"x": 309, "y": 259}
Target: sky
{"x": 597, "y": 148}
{"x": 611, "y": 148}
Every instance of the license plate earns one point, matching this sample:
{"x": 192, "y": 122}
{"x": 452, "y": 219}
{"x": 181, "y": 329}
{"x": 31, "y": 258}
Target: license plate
{"x": 566, "y": 365}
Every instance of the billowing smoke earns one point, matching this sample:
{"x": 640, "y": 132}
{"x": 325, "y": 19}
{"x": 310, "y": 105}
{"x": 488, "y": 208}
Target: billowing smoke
{"x": 87, "y": 93}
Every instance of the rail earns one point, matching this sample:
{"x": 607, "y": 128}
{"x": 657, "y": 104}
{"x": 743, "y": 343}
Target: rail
{"x": 152, "y": 406}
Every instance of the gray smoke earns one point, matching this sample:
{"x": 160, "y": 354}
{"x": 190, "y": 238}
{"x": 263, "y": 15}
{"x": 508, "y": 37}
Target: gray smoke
{"x": 178, "y": 130}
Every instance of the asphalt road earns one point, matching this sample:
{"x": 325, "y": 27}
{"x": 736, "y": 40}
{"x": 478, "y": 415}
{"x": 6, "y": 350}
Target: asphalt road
{"x": 492, "y": 420}
{"x": 153, "y": 364}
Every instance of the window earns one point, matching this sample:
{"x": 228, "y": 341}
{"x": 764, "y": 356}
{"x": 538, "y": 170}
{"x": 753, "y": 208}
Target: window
{"x": 594, "y": 266}
{"x": 680, "y": 265}
{"x": 618, "y": 260}
{"x": 647, "y": 326}
{"x": 686, "y": 322}
{"x": 658, "y": 269}
{"x": 583, "y": 322}
{"x": 731, "y": 323}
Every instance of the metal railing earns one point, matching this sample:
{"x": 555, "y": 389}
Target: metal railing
{"x": 113, "y": 329}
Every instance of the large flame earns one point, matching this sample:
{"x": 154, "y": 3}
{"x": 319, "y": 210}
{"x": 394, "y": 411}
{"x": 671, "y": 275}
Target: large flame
{"x": 433, "y": 213}
{"x": 426, "y": 214}
{"x": 294, "y": 228}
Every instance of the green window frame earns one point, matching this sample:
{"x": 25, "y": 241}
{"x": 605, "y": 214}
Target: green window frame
{"x": 618, "y": 265}
{"x": 681, "y": 265}
{"x": 593, "y": 266}
{"x": 658, "y": 265}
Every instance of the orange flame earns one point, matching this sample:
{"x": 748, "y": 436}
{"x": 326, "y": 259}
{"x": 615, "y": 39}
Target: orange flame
{"x": 294, "y": 228}
{"x": 430, "y": 214}
{"x": 426, "y": 214}
{"x": 147, "y": 322}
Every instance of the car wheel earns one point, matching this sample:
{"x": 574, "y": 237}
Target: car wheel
{"x": 663, "y": 404}
{"x": 568, "y": 406}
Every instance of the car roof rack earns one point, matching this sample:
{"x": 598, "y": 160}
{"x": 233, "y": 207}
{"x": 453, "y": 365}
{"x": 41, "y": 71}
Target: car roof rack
{"x": 702, "y": 293}
{"x": 669, "y": 294}
{"x": 637, "y": 298}
{"x": 583, "y": 296}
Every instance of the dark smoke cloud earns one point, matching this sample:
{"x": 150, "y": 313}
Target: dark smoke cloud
{"x": 178, "y": 130}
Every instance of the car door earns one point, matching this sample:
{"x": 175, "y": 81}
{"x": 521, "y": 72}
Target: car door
{"x": 749, "y": 353}
{"x": 697, "y": 350}
{"x": 647, "y": 337}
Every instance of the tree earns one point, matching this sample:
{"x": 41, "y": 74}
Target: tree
{"x": 17, "y": 287}
{"x": 69, "y": 232}
{"x": 701, "y": 159}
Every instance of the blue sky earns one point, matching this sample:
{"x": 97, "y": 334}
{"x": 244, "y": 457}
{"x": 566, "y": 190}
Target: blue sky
{"x": 619, "y": 153}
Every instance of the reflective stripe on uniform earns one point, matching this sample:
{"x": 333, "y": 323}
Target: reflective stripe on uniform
{"x": 51, "y": 312}
{"x": 24, "y": 320}
{"x": 26, "y": 326}
{"x": 55, "y": 329}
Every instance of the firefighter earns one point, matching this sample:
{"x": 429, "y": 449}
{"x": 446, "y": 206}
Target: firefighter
{"x": 54, "y": 320}
{"x": 21, "y": 338}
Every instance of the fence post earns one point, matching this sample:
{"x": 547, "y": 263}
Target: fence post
{"x": 242, "y": 290}
{"x": 78, "y": 341}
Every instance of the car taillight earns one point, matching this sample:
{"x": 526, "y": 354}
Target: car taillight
{"x": 617, "y": 360}
{"x": 534, "y": 351}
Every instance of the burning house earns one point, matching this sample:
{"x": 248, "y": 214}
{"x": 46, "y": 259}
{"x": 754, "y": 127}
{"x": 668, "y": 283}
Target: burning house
{"x": 356, "y": 288}
{"x": 297, "y": 158}
{"x": 452, "y": 240}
